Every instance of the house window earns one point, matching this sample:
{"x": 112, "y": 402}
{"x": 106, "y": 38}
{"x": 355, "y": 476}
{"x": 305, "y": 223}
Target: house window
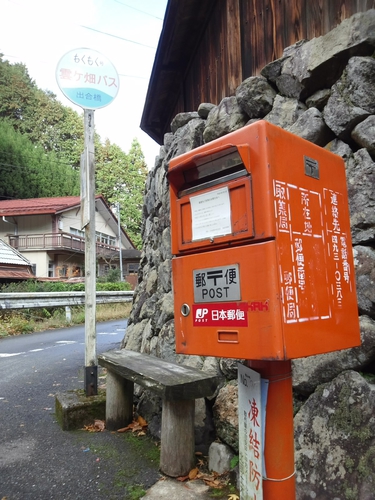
{"x": 33, "y": 269}
{"x": 133, "y": 268}
{"x": 77, "y": 232}
{"x": 63, "y": 270}
{"x": 51, "y": 269}
{"x": 106, "y": 239}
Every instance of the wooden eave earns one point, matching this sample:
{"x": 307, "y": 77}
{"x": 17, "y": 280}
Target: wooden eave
{"x": 183, "y": 27}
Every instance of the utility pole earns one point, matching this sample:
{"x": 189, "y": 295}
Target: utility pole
{"x": 88, "y": 222}
{"x": 119, "y": 241}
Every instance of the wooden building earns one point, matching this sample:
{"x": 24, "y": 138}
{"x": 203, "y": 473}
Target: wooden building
{"x": 208, "y": 47}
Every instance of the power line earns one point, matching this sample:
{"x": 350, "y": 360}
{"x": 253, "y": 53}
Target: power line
{"x": 139, "y": 10}
{"x": 119, "y": 37}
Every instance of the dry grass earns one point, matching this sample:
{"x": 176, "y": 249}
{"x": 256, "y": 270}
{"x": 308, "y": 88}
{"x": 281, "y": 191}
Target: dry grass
{"x": 36, "y": 320}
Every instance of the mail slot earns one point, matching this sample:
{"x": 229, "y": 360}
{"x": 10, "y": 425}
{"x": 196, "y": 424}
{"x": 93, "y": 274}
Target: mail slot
{"x": 262, "y": 254}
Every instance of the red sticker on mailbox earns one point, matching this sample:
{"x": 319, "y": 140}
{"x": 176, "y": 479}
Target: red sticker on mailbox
{"x": 232, "y": 314}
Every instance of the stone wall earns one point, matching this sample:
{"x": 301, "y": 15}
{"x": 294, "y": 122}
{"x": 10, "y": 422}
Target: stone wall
{"x": 324, "y": 91}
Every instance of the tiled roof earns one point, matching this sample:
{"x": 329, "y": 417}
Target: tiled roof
{"x": 14, "y": 273}
{"x": 33, "y": 206}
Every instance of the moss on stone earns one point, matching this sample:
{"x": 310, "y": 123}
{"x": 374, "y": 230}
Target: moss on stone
{"x": 366, "y": 466}
{"x": 347, "y": 417}
{"x": 73, "y": 409}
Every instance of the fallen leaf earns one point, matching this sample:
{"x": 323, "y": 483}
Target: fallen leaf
{"x": 100, "y": 425}
{"x": 183, "y": 478}
{"x": 123, "y": 429}
{"x": 142, "y": 421}
{"x": 137, "y": 426}
{"x": 97, "y": 426}
{"x": 233, "y": 497}
{"x": 213, "y": 484}
{"x": 193, "y": 474}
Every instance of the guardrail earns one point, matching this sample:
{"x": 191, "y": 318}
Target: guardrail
{"x": 59, "y": 299}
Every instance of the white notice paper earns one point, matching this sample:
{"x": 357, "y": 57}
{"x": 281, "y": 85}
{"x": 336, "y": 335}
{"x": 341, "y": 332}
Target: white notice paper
{"x": 210, "y": 214}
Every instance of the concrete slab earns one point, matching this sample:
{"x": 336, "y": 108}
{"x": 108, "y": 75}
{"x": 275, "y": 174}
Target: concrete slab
{"x": 74, "y": 409}
{"x": 170, "y": 488}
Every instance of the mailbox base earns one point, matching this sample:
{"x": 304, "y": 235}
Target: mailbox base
{"x": 279, "y": 433}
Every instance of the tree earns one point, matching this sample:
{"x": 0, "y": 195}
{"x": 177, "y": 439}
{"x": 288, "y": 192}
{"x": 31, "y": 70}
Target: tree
{"x": 121, "y": 178}
{"x": 16, "y": 91}
{"x": 27, "y": 171}
{"x": 39, "y": 115}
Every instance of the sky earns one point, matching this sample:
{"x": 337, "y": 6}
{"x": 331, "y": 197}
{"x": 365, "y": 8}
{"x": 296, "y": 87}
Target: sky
{"x": 39, "y": 33}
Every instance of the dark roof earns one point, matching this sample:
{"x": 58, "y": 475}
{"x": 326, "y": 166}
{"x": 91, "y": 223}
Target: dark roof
{"x": 183, "y": 27}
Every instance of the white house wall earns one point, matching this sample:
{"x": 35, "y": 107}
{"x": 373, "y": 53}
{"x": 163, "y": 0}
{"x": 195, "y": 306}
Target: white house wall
{"x": 72, "y": 218}
{"x": 34, "y": 224}
{"x": 40, "y": 260}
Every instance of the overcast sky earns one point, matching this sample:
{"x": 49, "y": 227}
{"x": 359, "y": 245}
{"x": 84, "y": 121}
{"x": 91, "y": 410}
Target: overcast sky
{"x": 39, "y": 32}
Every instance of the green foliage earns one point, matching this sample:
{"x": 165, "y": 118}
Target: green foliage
{"x": 112, "y": 276}
{"x": 118, "y": 286}
{"x": 27, "y": 171}
{"x": 32, "y": 286}
{"x": 121, "y": 179}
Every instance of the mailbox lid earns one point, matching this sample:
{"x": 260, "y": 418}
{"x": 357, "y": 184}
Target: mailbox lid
{"x": 214, "y": 217}
{"x": 211, "y": 200}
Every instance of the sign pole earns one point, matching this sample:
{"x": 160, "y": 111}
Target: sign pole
{"x": 88, "y": 222}
{"x": 279, "y": 433}
{"x": 88, "y": 79}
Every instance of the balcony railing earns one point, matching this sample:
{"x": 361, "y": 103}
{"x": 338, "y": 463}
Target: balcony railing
{"x": 57, "y": 241}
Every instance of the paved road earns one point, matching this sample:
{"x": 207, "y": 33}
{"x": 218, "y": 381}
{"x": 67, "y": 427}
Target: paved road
{"x": 39, "y": 461}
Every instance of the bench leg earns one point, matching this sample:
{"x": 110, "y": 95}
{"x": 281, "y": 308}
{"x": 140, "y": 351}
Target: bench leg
{"x": 119, "y": 401}
{"x": 177, "y": 455}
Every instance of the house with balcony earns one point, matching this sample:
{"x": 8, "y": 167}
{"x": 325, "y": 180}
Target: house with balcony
{"x": 48, "y": 233}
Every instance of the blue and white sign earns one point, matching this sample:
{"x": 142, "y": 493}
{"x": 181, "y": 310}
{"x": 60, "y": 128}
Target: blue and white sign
{"x": 87, "y": 78}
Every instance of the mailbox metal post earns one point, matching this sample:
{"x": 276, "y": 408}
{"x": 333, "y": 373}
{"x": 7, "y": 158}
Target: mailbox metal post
{"x": 279, "y": 432}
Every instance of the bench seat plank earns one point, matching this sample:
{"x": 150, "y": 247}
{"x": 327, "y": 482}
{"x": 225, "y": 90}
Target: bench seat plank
{"x": 169, "y": 380}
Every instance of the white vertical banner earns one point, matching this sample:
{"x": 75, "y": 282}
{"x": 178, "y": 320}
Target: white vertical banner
{"x": 252, "y": 398}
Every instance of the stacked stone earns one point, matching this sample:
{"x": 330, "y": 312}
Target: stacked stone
{"x": 324, "y": 91}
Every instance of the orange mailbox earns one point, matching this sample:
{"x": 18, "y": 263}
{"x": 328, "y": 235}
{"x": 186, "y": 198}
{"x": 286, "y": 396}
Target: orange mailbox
{"x": 262, "y": 253}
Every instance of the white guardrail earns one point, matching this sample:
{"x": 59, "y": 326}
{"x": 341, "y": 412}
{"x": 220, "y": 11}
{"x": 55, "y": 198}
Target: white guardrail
{"x": 59, "y": 299}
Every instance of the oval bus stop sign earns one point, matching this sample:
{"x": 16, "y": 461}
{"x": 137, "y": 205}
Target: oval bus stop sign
{"x": 87, "y": 78}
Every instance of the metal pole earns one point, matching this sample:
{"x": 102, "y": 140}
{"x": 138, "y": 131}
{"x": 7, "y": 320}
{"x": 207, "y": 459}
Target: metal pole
{"x": 279, "y": 435}
{"x": 119, "y": 241}
{"x": 88, "y": 222}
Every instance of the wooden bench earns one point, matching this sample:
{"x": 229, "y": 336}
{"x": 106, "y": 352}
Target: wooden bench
{"x": 178, "y": 386}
